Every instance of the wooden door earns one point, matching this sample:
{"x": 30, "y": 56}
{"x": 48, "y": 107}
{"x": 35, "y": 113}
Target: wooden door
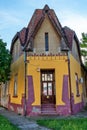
{"x": 47, "y": 86}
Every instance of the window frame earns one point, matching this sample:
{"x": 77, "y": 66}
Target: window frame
{"x": 46, "y": 41}
{"x": 77, "y": 84}
{"x": 15, "y": 89}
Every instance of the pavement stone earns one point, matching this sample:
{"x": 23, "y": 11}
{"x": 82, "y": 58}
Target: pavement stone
{"x": 20, "y": 121}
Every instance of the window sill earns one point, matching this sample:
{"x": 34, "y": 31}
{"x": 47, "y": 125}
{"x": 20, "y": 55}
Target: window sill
{"x": 15, "y": 96}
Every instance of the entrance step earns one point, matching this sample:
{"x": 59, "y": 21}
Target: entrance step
{"x": 48, "y": 109}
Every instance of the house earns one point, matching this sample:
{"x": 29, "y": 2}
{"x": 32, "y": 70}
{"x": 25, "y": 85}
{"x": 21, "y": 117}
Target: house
{"x": 46, "y": 73}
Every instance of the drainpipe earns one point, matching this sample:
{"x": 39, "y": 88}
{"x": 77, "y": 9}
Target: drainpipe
{"x": 68, "y": 55}
{"x": 25, "y": 63}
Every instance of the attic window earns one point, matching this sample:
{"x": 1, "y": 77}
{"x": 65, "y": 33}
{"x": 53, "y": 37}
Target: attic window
{"x": 46, "y": 8}
{"x": 46, "y": 42}
{"x": 46, "y": 11}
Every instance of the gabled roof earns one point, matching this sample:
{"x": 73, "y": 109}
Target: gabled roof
{"x": 26, "y": 34}
{"x": 22, "y": 37}
{"x": 71, "y": 35}
{"x": 37, "y": 19}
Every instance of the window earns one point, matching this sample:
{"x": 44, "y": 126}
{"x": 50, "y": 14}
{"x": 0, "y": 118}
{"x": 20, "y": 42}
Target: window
{"x": 46, "y": 42}
{"x": 77, "y": 85}
{"x": 15, "y": 85}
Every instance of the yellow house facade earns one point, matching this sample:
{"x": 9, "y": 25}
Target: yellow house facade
{"x": 46, "y": 68}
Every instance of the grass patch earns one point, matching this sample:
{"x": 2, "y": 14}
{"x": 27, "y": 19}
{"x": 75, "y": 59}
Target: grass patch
{"x": 6, "y": 125}
{"x": 64, "y": 124}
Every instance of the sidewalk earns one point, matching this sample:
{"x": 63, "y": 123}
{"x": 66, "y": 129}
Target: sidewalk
{"x": 28, "y": 124}
{"x": 20, "y": 121}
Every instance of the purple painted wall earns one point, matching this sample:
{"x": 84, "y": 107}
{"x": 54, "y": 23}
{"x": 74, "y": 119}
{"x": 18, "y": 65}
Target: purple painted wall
{"x": 64, "y": 109}
{"x": 36, "y": 110}
{"x": 31, "y": 110}
{"x": 76, "y": 107}
{"x": 18, "y": 108}
{"x": 30, "y": 94}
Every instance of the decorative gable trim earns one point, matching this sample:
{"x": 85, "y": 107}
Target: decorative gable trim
{"x": 37, "y": 19}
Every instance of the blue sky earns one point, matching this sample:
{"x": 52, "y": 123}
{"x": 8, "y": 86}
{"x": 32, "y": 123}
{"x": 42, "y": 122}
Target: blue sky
{"x": 16, "y": 14}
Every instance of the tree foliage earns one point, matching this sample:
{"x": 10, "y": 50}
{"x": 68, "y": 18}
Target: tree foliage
{"x": 83, "y": 47}
{"x": 5, "y": 62}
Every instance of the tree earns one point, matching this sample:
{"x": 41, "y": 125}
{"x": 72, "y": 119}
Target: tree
{"x": 83, "y": 47}
{"x": 5, "y": 62}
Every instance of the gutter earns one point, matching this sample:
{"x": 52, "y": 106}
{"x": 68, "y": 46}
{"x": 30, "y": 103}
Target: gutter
{"x": 25, "y": 63}
{"x": 68, "y": 55}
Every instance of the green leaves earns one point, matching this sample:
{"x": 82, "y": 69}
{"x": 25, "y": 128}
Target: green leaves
{"x": 5, "y": 62}
{"x": 83, "y": 46}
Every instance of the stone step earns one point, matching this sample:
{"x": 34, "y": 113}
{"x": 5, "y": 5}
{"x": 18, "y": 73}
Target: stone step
{"x": 48, "y": 106}
{"x": 48, "y": 113}
{"x": 49, "y": 109}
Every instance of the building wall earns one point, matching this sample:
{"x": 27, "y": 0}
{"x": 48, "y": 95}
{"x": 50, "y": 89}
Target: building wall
{"x": 54, "y": 38}
{"x": 75, "y": 68}
{"x": 17, "y": 51}
{"x": 84, "y": 75}
{"x": 17, "y": 68}
{"x": 77, "y": 101}
{"x": 4, "y": 94}
{"x": 58, "y": 63}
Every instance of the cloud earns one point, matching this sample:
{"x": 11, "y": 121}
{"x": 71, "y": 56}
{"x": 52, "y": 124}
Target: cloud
{"x": 75, "y": 21}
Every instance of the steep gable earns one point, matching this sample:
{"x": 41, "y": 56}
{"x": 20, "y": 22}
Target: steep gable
{"x": 27, "y": 35}
{"x": 36, "y": 21}
{"x": 21, "y": 36}
{"x": 73, "y": 43}
{"x": 54, "y": 38}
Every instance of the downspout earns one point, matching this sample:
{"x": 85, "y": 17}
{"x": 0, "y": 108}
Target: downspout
{"x": 25, "y": 64}
{"x": 68, "y": 55}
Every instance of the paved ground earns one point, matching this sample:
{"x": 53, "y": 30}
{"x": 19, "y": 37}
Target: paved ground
{"x": 20, "y": 121}
{"x": 30, "y": 123}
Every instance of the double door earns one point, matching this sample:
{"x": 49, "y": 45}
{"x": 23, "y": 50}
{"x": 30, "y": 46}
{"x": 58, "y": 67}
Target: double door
{"x": 47, "y": 86}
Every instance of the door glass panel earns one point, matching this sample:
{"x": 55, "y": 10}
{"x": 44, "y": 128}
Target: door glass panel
{"x": 44, "y": 88}
{"x": 49, "y": 88}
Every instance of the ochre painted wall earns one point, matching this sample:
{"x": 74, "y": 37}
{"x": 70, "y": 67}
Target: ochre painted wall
{"x": 17, "y": 68}
{"x": 54, "y": 38}
{"x": 36, "y": 63}
{"x": 75, "y": 67}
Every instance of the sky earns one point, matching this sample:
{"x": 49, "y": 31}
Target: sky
{"x": 16, "y": 14}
